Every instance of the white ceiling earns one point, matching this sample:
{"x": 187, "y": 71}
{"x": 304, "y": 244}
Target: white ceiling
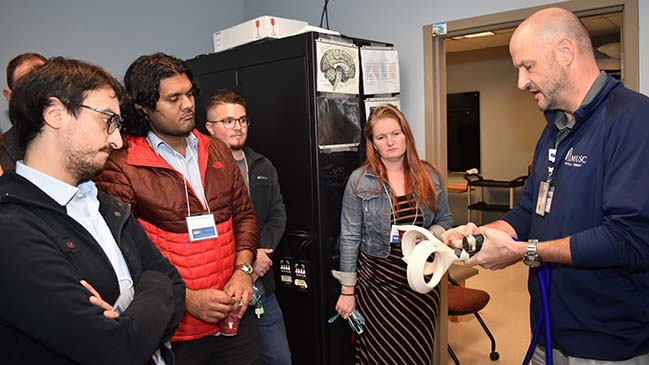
{"x": 599, "y": 25}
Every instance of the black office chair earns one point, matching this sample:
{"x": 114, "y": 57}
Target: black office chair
{"x": 463, "y": 301}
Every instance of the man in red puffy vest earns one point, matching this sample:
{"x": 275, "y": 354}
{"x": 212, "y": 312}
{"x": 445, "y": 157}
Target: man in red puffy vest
{"x": 187, "y": 192}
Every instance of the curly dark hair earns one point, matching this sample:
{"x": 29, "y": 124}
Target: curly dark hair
{"x": 66, "y": 79}
{"x": 142, "y": 82}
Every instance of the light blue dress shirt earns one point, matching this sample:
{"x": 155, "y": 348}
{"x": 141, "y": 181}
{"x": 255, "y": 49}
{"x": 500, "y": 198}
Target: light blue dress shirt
{"x": 186, "y": 165}
{"x": 82, "y": 205}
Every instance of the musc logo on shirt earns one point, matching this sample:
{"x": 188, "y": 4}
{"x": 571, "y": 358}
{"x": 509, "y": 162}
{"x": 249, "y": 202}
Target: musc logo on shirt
{"x": 575, "y": 160}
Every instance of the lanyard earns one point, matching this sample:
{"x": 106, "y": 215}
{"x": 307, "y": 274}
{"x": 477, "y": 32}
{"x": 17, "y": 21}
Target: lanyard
{"x": 552, "y": 169}
{"x": 189, "y": 214}
{"x": 394, "y": 218}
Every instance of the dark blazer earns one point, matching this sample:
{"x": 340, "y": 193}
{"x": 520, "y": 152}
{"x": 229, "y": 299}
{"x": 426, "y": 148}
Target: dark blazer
{"x": 45, "y": 314}
{"x": 266, "y": 197}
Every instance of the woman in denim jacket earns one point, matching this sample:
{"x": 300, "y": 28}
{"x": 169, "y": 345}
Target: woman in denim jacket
{"x": 392, "y": 187}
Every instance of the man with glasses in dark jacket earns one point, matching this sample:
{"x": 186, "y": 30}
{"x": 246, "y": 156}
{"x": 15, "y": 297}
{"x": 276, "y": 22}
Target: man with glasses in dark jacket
{"x": 81, "y": 282}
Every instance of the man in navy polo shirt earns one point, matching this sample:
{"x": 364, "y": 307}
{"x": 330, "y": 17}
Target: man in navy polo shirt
{"x": 584, "y": 210}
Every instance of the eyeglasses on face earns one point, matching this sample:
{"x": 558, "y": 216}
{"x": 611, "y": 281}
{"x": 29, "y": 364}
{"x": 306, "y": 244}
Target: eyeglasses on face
{"x": 113, "y": 122}
{"x": 230, "y": 122}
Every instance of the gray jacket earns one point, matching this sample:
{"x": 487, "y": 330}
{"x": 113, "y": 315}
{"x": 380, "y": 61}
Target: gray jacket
{"x": 269, "y": 206}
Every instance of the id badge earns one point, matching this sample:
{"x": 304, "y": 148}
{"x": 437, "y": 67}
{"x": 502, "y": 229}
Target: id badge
{"x": 548, "y": 201}
{"x": 543, "y": 196}
{"x": 394, "y": 235}
{"x": 201, "y": 227}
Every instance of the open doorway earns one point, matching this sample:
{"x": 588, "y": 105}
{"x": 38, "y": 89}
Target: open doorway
{"x": 602, "y": 17}
{"x": 510, "y": 122}
{"x": 473, "y": 56}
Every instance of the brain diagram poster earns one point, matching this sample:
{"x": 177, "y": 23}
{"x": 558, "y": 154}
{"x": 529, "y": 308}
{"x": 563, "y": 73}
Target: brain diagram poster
{"x": 338, "y": 67}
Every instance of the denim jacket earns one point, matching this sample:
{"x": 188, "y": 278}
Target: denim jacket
{"x": 365, "y": 220}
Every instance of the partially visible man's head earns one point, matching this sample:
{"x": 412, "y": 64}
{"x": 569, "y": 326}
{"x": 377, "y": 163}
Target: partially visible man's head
{"x": 547, "y": 49}
{"x": 227, "y": 119}
{"x": 69, "y": 107}
{"x": 161, "y": 96}
{"x": 18, "y": 67}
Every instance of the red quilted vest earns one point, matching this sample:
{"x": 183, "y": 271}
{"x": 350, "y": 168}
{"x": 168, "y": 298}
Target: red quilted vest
{"x": 202, "y": 264}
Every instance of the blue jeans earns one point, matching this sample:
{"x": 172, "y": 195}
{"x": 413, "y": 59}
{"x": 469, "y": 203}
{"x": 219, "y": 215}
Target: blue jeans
{"x": 274, "y": 344}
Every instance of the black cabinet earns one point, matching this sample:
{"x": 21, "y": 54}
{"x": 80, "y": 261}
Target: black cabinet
{"x": 277, "y": 78}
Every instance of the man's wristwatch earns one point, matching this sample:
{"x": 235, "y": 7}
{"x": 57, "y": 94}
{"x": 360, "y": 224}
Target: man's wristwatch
{"x": 531, "y": 258}
{"x": 247, "y": 268}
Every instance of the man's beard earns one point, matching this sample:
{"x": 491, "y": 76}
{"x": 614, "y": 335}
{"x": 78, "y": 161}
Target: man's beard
{"x": 165, "y": 130}
{"x": 553, "y": 87}
{"x": 550, "y": 97}
{"x": 238, "y": 146}
{"x": 81, "y": 164}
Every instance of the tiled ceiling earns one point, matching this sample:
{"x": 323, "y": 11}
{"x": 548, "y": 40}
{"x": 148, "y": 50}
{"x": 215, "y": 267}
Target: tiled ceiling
{"x": 599, "y": 25}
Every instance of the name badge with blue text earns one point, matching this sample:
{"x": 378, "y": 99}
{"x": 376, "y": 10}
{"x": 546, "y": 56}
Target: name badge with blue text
{"x": 394, "y": 235}
{"x": 201, "y": 227}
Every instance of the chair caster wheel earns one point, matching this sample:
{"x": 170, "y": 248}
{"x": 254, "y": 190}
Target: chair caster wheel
{"x": 494, "y": 356}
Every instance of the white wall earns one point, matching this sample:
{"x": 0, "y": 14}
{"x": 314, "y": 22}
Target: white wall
{"x": 111, "y": 33}
{"x": 401, "y": 23}
{"x": 510, "y": 121}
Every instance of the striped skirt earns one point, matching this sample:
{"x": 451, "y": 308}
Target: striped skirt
{"x": 400, "y": 323}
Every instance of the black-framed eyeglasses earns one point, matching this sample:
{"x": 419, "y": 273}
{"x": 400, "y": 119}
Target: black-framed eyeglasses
{"x": 229, "y": 122}
{"x": 113, "y": 122}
